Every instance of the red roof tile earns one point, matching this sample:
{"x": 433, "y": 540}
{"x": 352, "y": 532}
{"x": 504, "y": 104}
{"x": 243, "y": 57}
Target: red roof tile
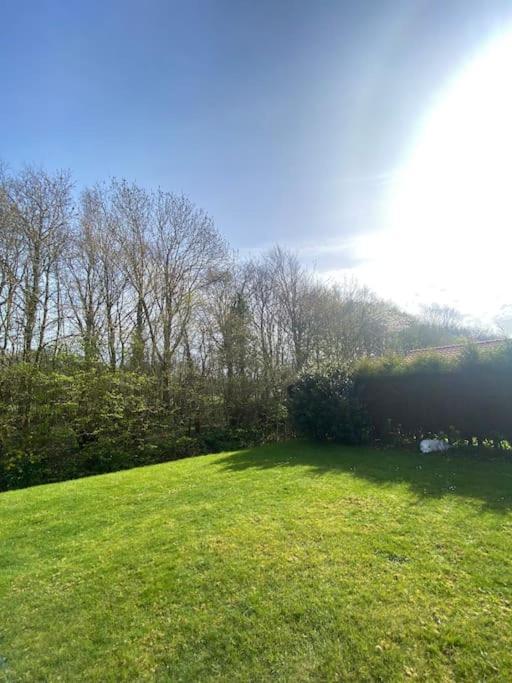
{"x": 455, "y": 349}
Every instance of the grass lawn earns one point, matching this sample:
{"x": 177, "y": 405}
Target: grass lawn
{"x": 290, "y": 562}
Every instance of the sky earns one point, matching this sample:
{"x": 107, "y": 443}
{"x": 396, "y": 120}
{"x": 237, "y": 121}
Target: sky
{"x": 306, "y": 123}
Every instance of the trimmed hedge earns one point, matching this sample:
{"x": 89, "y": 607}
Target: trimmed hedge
{"x": 397, "y": 399}
{"x": 466, "y": 398}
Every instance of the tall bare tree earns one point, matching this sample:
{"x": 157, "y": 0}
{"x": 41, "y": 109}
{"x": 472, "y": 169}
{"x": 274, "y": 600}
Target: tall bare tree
{"x": 186, "y": 252}
{"x": 44, "y": 212}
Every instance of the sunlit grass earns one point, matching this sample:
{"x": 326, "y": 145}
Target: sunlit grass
{"x": 290, "y": 562}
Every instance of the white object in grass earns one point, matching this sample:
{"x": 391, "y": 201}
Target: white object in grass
{"x": 433, "y": 445}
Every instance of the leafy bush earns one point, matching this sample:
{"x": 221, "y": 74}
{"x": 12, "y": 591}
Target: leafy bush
{"x": 60, "y": 424}
{"x": 186, "y": 445}
{"x": 324, "y": 407}
{"x": 231, "y": 438}
{"x": 55, "y": 426}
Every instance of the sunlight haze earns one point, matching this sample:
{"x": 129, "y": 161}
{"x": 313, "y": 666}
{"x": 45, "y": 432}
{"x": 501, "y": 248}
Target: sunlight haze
{"x": 371, "y": 138}
{"x": 449, "y": 212}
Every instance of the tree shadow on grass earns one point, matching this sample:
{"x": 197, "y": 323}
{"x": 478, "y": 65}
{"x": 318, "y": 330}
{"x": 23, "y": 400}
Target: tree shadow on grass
{"x": 482, "y": 477}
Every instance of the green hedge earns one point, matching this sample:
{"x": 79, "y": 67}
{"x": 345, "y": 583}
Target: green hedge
{"x": 57, "y": 425}
{"x": 466, "y": 398}
{"x": 399, "y": 399}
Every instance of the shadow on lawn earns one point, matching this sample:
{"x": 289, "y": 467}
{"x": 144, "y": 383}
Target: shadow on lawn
{"x": 481, "y": 477}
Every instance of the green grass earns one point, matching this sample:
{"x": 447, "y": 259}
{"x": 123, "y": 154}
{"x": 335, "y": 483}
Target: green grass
{"x": 290, "y": 563}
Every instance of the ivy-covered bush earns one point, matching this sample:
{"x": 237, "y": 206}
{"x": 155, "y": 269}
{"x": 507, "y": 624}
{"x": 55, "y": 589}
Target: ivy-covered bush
{"x": 325, "y": 408}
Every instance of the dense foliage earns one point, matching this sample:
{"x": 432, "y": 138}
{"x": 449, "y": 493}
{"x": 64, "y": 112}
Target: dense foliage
{"x": 129, "y": 332}
{"x": 85, "y": 420}
{"x": 468, "y": 398}
{"x": 400, "y": 399}
{"x": 324, "y": 407}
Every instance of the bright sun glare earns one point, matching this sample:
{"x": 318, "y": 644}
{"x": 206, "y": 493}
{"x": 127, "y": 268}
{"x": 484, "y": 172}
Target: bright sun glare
{"x": 450, "y": 213}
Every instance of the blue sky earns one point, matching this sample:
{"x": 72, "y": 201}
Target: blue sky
{"x": 286, "y": 120}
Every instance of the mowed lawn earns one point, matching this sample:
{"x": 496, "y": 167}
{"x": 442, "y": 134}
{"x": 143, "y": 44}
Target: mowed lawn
{"x": 290, "y": 562}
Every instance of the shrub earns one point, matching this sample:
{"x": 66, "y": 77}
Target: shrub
{"x": 87, "y": 419}
{"x": 55, "y": 426}
{"x": 185, "y": 446}
{"x": 325, "y": 408}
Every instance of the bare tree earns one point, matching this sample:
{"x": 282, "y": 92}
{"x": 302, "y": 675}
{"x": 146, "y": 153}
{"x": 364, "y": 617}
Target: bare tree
{"x": 12, "y": 264}
{"x": 294, "y": 290}
{"x": 43, "y": 206}
{"x": 442, "y": 316}
{"x": 267, "y": 316}
{"x": 186, "y": 251}
{"x": 96, "y": 282}
{"x": 132, "y": 210}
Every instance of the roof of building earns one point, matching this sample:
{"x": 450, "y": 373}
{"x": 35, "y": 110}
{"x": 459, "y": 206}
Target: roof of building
{"x": 455, "y": 349}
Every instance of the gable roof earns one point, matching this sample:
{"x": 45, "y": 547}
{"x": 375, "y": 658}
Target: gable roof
{"x": 453, "y": 350}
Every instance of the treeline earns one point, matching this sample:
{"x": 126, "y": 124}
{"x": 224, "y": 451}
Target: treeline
{"x": 137, "y": 290}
